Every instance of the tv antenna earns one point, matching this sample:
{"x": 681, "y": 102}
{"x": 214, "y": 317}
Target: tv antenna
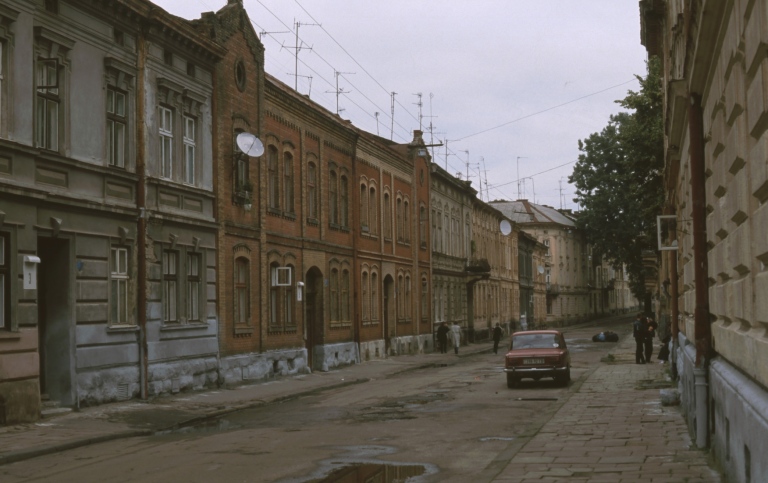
{"x": 392, "y": 128}
{"x": 309, "y": 94}
{"x": 420, "y": 104}
{"x": 297, "y": 48}
{"x": 264, "y": 32}
{"x": 518, "y": 174}
{"x": 376, "y": 115}
{"x": 339, "y": 91}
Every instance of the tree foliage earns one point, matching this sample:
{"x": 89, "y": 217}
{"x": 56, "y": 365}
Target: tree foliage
{"x": 618, "y": 180}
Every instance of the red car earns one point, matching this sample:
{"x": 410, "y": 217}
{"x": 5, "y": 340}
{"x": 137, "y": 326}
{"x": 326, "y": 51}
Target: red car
{"x": 535, "y": 354}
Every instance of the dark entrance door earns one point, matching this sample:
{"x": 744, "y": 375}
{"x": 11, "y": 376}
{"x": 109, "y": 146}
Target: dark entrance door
{"x": 388, "y": 301}
{"x": 313, "y": 332}
{"x": 55, "y": 322}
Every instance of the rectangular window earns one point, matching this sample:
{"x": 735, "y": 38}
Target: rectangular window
{"x": 5, "y": 319}
{"x": 166, "y": 142}
{"x": 2, "y": 83}
{"x": 374, "y": 297}
{"x": 189, "y": 150}
{"x": 116, "y": 123}
{"x": 345, "y": 296}
{"x": 334, "y": 296}
{"x": 170, "y": 285}
{"x": 333, "y": 198}
{"x": 118, "y": 300}
{"x": 193, "y": 287}
{"x": 344, "y": 202}
{"x": 47, "y": 119}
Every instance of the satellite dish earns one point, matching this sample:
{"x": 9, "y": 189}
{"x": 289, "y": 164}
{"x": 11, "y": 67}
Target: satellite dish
{"x": 250, "y": 144}
{"x": 541, "y": 269}
{"x": 505, "y": 227}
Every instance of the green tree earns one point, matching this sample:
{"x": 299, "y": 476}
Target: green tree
{"x": 618, "y": 180}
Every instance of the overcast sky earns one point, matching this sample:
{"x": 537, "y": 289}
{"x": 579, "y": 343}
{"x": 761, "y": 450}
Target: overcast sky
{"x": 510, "y": 84}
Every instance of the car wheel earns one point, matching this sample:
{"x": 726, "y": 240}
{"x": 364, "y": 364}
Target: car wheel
{"x": 512, "y": 381}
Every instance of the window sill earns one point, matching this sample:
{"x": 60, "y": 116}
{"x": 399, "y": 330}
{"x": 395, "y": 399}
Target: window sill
{"x": 121, "y": 328}
{"x": 313, "y": 222}
{"x": 243, "y": 330}
{"x": 180, "y": 326}
{"x": 10, "y": 336}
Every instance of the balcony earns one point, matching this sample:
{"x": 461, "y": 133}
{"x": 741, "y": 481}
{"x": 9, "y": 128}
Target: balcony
{"x": 553, "y": 289}
{"x": 478, "y": 265}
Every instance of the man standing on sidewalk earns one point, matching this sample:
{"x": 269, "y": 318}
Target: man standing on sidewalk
{"x": 442, "y": 337}
{"x": 496, "y": 338}
{"x": 650, "y": 333}
{"x": 639, "y": 332}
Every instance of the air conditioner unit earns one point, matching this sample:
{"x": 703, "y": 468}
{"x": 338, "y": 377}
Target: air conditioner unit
{"x": 281, "y": 276}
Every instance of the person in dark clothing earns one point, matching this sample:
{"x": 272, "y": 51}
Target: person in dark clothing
{"x": 496, "y": 338}
{"x": 442, "y": 337}
{"x": 638, "y": 332}
{"x": 650, "y": 333}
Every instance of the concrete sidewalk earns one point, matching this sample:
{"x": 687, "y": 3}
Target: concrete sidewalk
{"x": 611, "y": 428}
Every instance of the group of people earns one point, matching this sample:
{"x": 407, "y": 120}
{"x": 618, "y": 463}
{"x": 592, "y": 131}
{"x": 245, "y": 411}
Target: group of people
{"x": 644, "y": 330}
{"x": 444, "y": 332}
{"x": 454, "y": 333}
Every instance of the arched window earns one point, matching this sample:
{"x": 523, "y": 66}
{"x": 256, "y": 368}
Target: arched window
{"x": 333, "y": 197}
{"x": 273, "y": 178}
{"x": 333, "y": 296}
{"x": 364, "y": 221}
{"x": 408, "y": 309}
{"x": 422, "y": 226}
{"x": 374, "y": 296}
{"x": 406, "y": 222}
{"x": 288, "y": 182}
{"x": 242, "y": 301}
{"x": 399, "y": 215}
{"x": 387, "y": 216}
{"x": 373, "y": 210}
{"x": 344, "y": 296}
{"x": 365, "y": 301}
{"x": 344, "y": 207}
{"x": 424, "y": 298}
{"x": 312, "y": 191}
{"x": 400, "y": 297}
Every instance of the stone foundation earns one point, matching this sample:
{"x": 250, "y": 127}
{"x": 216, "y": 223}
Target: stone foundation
{"x": 244, "y": 368}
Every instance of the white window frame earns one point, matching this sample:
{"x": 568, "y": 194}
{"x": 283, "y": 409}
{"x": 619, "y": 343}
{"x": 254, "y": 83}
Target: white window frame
{"x": 190, "y": 143}
{"x": 165, "y": 130}
{"x": 48, "y": 103}
{"x": 119, "y": 281}
{"x": 117, "y": 127}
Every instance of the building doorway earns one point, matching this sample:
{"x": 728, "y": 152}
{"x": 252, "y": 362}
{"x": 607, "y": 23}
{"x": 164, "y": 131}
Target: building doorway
{"x": 314, "y": 331}
{"x": 55, "y": 321}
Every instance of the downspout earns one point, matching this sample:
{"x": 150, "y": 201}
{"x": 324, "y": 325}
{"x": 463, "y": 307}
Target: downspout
{"x": 141, "y": 235}
{"x": 702, "y": 329}
{"x": 357, "y": 324}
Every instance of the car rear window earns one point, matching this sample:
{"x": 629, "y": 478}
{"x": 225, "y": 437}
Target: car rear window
{"x": 535, "y": 341}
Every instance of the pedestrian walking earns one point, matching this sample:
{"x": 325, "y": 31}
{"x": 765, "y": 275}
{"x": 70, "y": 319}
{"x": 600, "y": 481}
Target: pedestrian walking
{"x": 638, "y": 332}
{"x": 442, "y": 337}
{"x": 496, "y": 338}
{"x": 456, "y": 337}
{"x": 650, "y": 334}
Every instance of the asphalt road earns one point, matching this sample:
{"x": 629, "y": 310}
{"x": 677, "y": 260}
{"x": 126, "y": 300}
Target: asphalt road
{"x": 453, "y": 422}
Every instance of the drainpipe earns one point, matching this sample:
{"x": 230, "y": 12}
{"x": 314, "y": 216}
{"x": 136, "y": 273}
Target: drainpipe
{"x": 141, "y": 234}
{"x": 702, "y": 329}
{"x": 673, "y": 295}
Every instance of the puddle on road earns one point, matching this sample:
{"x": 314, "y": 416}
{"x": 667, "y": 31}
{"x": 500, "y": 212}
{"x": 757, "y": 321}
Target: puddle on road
{"x": 365, "y": 472}
{"x": 208, "y": 426}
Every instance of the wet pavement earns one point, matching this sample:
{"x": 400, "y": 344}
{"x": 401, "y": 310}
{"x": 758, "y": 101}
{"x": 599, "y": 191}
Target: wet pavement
{"x": 612, "y": 427}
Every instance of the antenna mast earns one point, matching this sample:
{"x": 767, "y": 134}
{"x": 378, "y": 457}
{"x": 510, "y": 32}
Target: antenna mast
{"x": 339, "y": 91}
{"x": 420, "y": 104}
{"x": 392, "y": 129}
{"x": 297, "y": 48}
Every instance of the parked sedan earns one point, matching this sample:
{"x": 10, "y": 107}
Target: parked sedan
{"x": 535, "y": 354}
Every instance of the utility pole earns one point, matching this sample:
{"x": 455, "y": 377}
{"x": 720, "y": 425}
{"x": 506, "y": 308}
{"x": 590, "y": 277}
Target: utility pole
{"x": 485, "y": 173}
{"x": 392, "y": 128}
{"x": 518, "y": 175}
{"x": 376, "y": 115}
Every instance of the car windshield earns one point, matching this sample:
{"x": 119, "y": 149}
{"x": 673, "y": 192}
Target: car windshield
{"x": 535, "y": 341}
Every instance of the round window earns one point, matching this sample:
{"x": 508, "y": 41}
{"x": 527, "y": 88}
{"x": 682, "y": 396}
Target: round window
{"x": 240, "y": 75}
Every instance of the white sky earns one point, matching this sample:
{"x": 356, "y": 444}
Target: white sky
{"x": 506, "y": 79}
